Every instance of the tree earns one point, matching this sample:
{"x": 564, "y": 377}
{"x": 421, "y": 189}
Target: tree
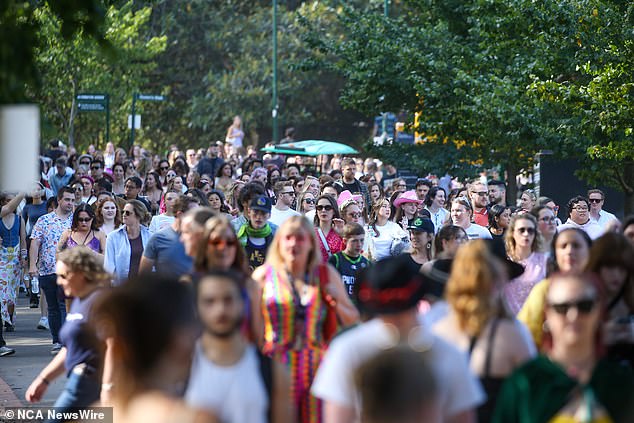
{"x": 465, "y": 66}
{"x": 77, "y": 65}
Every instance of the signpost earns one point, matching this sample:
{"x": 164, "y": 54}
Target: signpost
{"x": 95, "y": 103}
{"x": 141, "y": 97}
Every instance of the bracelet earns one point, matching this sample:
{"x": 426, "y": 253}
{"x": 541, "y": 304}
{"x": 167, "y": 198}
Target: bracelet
{"x": 45, "y": 380}
{"x": 107, "y": 386}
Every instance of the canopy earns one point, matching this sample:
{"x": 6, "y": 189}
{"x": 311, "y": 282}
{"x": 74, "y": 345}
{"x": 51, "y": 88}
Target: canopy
{"x": 311, "y": 148}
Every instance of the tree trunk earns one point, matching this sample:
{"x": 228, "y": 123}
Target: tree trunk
{"x": 73, "y": 113}
{"x": 511, "y": 184}
{"x": 628, "y": 188}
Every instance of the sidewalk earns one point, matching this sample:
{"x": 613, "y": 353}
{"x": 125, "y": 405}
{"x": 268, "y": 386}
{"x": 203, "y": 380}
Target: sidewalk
{"x": 32, "y": 354}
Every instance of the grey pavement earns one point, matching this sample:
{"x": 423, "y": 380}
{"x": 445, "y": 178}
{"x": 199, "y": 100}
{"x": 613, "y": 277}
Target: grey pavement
{"x": 32, "y": 354}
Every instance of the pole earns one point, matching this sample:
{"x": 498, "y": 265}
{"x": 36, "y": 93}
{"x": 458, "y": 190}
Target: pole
{"x": 386, "y": 7}
{"x": 134, "y": 96}
{"x": 274, "y": 100}
{"x": 107, "y": 118}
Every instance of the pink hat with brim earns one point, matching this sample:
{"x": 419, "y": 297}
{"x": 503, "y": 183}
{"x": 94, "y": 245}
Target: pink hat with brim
{"x": 344, "y": 198}
{"x": 407, "y": 197}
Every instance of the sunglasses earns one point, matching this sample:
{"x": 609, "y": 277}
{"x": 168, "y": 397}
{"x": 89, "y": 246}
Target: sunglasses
{"x": 95, "y": 167}
{"x": 354, "y": 215}
{"x": 309, "y": 200}
{"x": 596, "y": 200}
{"x": 84, "y": 219}
{"x": 84, "y": 163}
{"x": 222, "y": 243}
{"x": 164, "y": 168}
{"x": 530, "y": 231}
{"x": 127, "y": 213}
{"x": 583, "y": 306}
{"x": 326, "y": 207}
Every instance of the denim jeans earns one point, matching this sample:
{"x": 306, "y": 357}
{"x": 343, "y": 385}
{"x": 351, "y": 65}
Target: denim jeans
{"x": 56, "y": 305}
{"x": 80, "y": 391}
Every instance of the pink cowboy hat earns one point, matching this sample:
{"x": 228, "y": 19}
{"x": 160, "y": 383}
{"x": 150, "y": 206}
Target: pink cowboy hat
{"x": 344, "y": 199}
{"x": 407, "y": 197}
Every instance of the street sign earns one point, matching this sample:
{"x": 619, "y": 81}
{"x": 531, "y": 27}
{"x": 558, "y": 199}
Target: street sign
{"x": 150, "y": 97}
{"x": 137, "y": 121}
{"x": 91, "y": 107}
{"x": 93, "y": 102}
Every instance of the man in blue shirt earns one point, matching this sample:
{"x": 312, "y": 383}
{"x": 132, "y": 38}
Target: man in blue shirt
{"x": 164, "y": 251}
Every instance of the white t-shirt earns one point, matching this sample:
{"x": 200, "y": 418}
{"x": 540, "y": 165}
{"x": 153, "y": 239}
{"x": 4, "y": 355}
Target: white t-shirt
{"x": 591, "y": 227}
{"x": 160, "y": 222}
{"x": 478, "y": 232}
{"x": 279, "y": 216}
{"x": 604, "y": 218}
{"x": 235, "y": 393}
{"x": 459, "y": 389}
{"x": 380, "y": 246}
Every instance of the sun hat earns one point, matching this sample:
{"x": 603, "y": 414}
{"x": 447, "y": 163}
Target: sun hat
{"x": 407, "y": 197}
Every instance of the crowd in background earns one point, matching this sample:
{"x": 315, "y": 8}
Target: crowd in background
{"x": 214, "y": 284}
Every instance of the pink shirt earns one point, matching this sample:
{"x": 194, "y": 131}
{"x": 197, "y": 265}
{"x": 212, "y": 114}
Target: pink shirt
{"x": 335, "y": 242}
{"x": 517, "y": 290}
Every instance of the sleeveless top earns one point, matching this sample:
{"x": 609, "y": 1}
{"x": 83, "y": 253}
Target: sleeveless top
{"x": 257, "y": 253}
{"x": 234, "y": 393}
{"x": 93, "y": 244}
{"x": 10, "y": 237}
{"x": 490, "y": 384}
{"x": 291, "y": 321}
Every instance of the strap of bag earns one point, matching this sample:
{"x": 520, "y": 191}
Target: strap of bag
{"x": 323, "y": 241}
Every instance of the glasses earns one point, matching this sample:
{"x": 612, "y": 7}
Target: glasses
{"x": 596, "y": 200}
{"x": 127, "y": 213}
{"x": 164, "y": 167}
{"x": 326, "y": 207}
{"x": 548, "y": 220}
{"x": 530, "y": 231}
{"x": 289, "y": 192}
{"x": 580, "y": 209}
{"x": 84, "y": 219}
{"x": 309, "y": 201}
{"x": 95, "y": 167}
{"x": 583, "y": 306}
{"x": 78, "y": 189}
{"x": 222, "y": 243}
{"x": 84, "y": 163}
{"x": 481, "y": 193}
{"x": 354, "y": 215}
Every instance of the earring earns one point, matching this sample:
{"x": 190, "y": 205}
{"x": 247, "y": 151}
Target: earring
{"x": 545, "y": 327}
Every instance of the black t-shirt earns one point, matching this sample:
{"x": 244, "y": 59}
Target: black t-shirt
{"x": 78, "y": 337}
{"x": 348, "y": 267}
{"x": 257, "y": 253}
{"x": 353, "y": 187}
{"x": 136, "y": 251}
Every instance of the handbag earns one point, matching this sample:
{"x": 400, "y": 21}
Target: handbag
{"x": 331, "y": 325}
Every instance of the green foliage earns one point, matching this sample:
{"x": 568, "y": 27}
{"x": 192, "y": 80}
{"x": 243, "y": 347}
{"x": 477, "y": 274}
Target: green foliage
{"x": 80, "y": 65}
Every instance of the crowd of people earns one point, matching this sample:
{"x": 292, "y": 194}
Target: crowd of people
{"x": 217, "y": 285}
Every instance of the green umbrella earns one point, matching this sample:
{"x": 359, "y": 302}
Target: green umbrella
{"x": 311, "y": 148}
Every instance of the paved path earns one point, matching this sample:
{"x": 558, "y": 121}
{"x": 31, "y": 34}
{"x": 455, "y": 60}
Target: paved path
{"x": 32, "y": 354}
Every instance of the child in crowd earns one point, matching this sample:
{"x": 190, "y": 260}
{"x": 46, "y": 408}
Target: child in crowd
{"x": 349, "y": 261}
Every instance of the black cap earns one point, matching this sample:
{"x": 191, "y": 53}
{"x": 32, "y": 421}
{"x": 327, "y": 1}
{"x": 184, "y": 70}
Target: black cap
{"x": 422, "y": 224}
{"x": 392, "y": 285}
{"x": 261, "y": 203}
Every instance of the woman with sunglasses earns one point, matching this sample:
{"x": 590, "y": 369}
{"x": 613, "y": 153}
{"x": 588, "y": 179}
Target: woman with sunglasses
{"x": 612, "y": 258}
{"x": 83, "y": 232}
{"x": 124, "y": 246}
{"x": 301, "y": 297}
{"x": 305, "y": 202}
{"x": 328, "y": 226}
{"x": 523, "y": 246}
{"x": 572, "y": 382}
{"x": 81, "y": 276}
{"x": 571, "y": 252}
{"x": 546, "y": 225}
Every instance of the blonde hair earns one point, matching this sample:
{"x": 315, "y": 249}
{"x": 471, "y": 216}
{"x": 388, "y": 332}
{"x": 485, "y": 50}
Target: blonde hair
{"x": 83, "y": 260}
{"x": 471, "y": 287}
{"x": 509, "y": 241}
{"x": 293, "y": 224}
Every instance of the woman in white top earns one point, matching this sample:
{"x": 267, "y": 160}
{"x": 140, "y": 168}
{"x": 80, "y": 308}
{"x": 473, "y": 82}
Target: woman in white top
{"x": 383, "y": 234}
{"x": 235, "y": 134}
{"x": 435, "y": 205}
{"x": 461, "y": 214}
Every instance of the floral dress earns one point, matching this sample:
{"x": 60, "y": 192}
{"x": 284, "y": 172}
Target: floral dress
{"x": 10, "y": 269}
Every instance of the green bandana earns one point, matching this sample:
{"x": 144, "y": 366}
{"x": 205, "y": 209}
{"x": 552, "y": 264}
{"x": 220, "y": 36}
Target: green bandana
{"x": 247, "y": 231}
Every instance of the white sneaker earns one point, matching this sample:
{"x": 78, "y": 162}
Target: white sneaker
{"x": 56, "y": 348}
{"x": 43, "y": 323}
{"x": 4, "y": 351}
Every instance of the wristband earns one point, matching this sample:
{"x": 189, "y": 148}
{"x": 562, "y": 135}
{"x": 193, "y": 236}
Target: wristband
{"x": 45, "y": 380}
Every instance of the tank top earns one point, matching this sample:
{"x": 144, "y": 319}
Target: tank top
{"x": 93, "y": 244}
{"x": 236, "y": 393}
{"x": 10, "y": 237}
